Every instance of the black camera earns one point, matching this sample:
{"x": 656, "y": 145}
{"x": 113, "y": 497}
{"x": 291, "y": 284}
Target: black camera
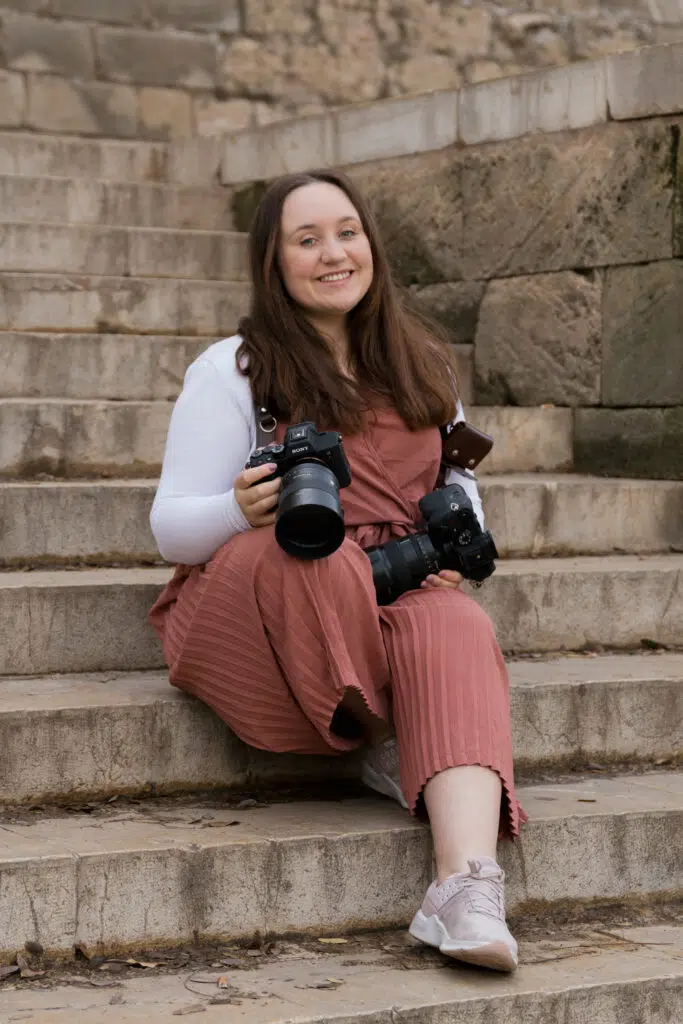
{"x": 453, "y": 540}
{"x": 313, "y": 466}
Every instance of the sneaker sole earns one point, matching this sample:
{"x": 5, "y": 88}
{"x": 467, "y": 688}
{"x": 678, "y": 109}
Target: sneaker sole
{"x": 381, "y": 783}
{"x": 494, "y": 955}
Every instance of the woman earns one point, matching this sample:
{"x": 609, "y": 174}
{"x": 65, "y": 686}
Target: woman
{"x": 296, "y": 655}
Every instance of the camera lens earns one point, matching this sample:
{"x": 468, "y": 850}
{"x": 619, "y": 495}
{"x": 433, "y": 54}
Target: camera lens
{"x": 310, "y": 521}
{"x": 401, "y": 565}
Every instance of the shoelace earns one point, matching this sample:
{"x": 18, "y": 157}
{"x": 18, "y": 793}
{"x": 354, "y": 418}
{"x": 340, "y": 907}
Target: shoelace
{"x": 485, "y": 896}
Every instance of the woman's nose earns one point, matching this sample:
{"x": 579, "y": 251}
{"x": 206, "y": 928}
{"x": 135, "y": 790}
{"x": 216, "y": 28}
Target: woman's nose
{"x": 333, "y": 250}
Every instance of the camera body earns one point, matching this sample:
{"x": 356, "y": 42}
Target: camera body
{"x": 456, "y": 535}
{"x": 453, "y": 540}
{"x": 303, "y": 443}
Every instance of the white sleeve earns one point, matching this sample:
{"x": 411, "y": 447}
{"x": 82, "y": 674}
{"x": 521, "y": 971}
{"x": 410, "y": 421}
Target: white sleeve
{"x": 466, "y": 478}
{"x": 195, "y": 510}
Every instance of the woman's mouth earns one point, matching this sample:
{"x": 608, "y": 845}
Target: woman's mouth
{"x": 337, "y": 277}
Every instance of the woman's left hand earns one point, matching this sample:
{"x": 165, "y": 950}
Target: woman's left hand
{"x": 446, "y": 578}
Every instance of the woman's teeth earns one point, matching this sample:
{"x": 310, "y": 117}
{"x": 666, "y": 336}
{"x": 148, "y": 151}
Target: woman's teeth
{"x": 337, "y": 277}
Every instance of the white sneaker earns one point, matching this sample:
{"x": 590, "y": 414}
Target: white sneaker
{"x": 464, "y": 917}
{"x": 380, "y": 771}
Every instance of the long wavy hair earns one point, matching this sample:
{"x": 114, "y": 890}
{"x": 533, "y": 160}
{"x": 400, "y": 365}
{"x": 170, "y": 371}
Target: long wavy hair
{"x": 396, "y": 355}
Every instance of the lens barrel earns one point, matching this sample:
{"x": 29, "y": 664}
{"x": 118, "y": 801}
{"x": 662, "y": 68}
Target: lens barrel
{"x": 310, "y": 521}
{"x": 401, "y": 565}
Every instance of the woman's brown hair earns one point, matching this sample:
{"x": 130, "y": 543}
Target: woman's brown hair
{"x": 395, "y": 353}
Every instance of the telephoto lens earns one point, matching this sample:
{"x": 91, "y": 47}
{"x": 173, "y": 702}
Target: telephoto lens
{"x": 453, "y": 540}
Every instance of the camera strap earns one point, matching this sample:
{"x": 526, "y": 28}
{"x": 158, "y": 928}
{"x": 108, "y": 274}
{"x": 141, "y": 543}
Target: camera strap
{"x": 266, "y": 425}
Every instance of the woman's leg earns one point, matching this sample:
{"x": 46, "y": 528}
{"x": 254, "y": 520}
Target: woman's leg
{"x": 451, "y": 705}
{"x": 463, "y": 805}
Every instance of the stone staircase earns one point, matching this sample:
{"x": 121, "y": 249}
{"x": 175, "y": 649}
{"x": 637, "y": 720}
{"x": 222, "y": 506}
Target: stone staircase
{"x": 118, "y": 264}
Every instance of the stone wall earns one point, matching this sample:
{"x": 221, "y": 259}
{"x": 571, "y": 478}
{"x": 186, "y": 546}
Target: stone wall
{"x": 556, "y": 254}
{"x": 176, "y": 68}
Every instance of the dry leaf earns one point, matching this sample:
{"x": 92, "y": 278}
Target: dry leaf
{"x": 185, "y": 1010}
{"x": 586, "y": 800}
{"x": 333, "y": 942}
{"x": 223, "y": 981}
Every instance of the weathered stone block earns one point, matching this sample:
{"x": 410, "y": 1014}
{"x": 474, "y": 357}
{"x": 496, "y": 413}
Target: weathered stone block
{"x": 35, "y": 155}
{"x": 165, "y": 113}
{"x": 32, "y": 302}
{"x": 265, "y": 16}
{"x": 114, "y": 12}
{"x": 12, "y": 99}
{"x": 418, "y": 203}
{"x": 41, "y": 44}
{"x": 597, "y": 197}
{"x": 455, "y": 305}
{"x": 218, "y": 117}
{"x": 153, "y": 58}
{"x": 84, "y": 108}
{"x": 207, "y": 15}
{"x": 279, "y": 149}
{"x": 538, "y": 341}
{"x": 548, "y": 101}
{"x": 29, "y": 6}
{"x": 396, "y": 127}
{"x": 646, "y": 82}
{"x": 630, "y": 442}
{"x": 643, "y": 335}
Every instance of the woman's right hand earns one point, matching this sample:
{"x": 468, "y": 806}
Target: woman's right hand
{"x": 258, "y": 501}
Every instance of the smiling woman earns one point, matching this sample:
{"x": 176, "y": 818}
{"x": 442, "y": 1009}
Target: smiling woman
{"x": 296, "y": 655}
{"x": 328, "y": 333}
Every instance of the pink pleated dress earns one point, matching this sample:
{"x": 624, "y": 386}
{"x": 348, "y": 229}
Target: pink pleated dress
{"x": 271, "y": 643}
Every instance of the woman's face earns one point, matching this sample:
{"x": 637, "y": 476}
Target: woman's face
{"x": 325, "y": 255}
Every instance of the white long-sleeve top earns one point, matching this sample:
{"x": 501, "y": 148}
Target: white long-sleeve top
{"x": 211, "y": 436}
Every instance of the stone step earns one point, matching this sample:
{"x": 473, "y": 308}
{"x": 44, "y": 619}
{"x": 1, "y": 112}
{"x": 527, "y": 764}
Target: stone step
{"x": 155, "y": 873}
{"x": 140, "y": 367}
{"x": 34, "y": 155}
{"x": 89, "y": 438}
{"x": 106, "y": 522}
{"x": 83, "y": 438}
{"x": 126, "y": 252}
{"x": 80, "y": 201}
{"x": 121, "y": 366}
{"x": 94, "y": 736}
{"x": 143, "y": 305}
{"x": 617, "y": 974}
{"x": 90, "y": 620}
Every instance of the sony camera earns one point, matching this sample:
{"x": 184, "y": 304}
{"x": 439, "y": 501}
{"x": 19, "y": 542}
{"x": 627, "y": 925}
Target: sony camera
{"x": 453, "y": 540}
{"x": 313, "y": 465}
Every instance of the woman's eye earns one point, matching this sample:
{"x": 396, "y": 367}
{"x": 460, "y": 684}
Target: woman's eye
{"x": 307, "y": 242}
{"x": 349, "y": 233}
